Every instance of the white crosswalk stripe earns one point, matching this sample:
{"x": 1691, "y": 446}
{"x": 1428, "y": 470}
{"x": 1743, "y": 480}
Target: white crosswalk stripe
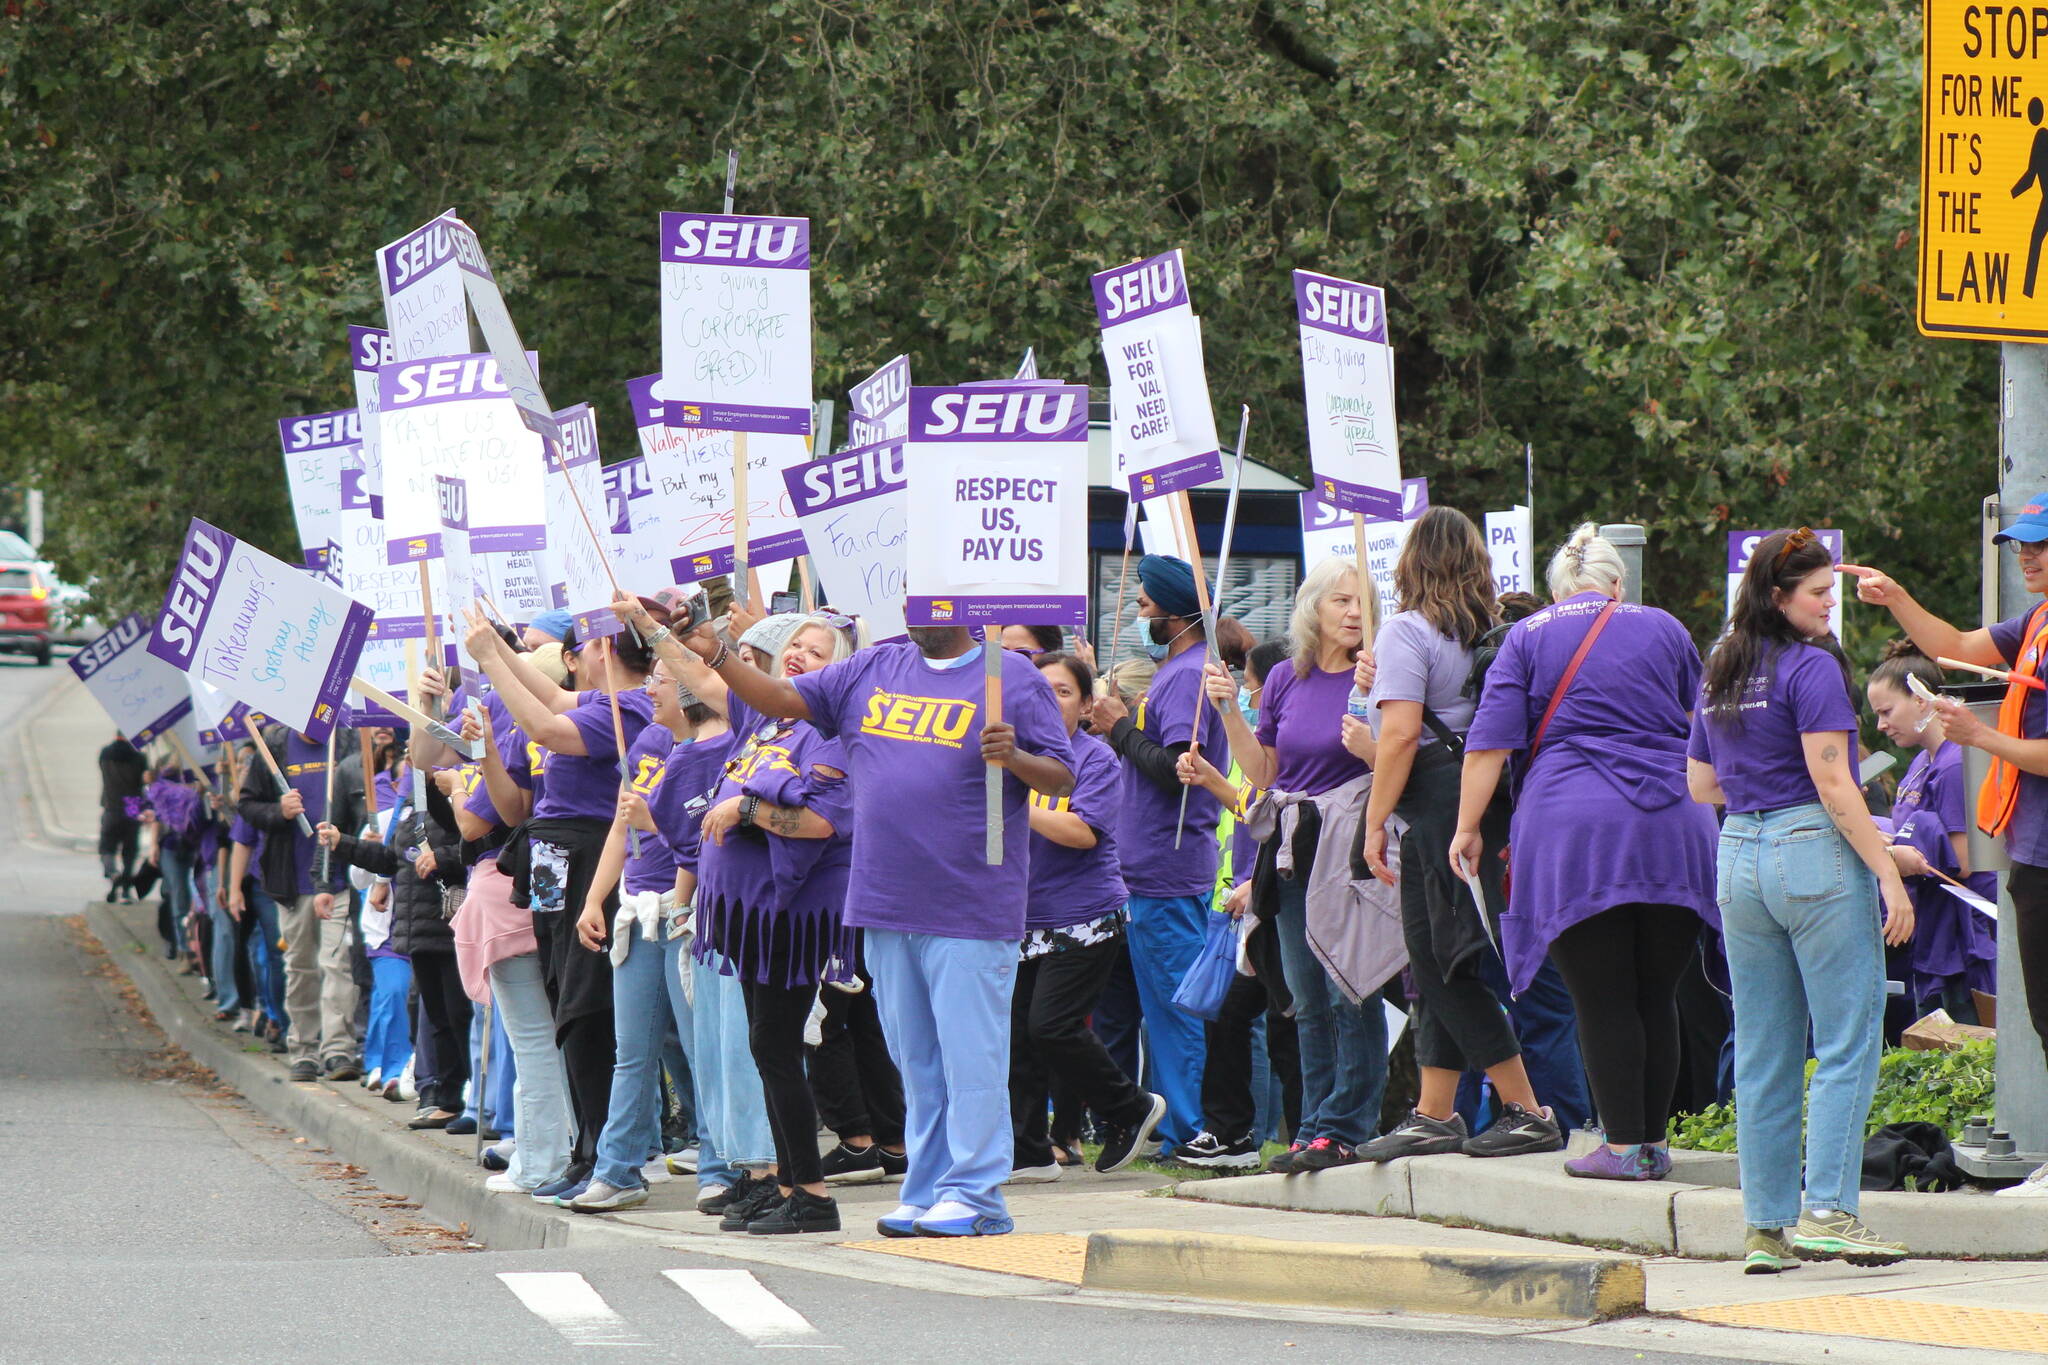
{"x": 747, "y": 1306}
{"x": 566, "y": 1302}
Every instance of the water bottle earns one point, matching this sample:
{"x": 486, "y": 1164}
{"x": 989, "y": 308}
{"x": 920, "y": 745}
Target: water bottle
{"x": 1356, "y": 705}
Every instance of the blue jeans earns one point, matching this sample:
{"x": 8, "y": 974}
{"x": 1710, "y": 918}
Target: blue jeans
{"x": 945, "y": 1007}
{"x": 266, "y": 959}
{"x": 1799, "y": 913}
{"x": 1343, "y": 1046}
{"x": 541, "y": 1096}
{"x": 641, "y": 989}
{"x": 221, "y": 961}
{"x": 493, "y": 1108}
{"x": 175, "y": 865}
{"x": 387, "y": 1043}
{"x": 731, "y": 1110}
{"x": 1166, "y": 935}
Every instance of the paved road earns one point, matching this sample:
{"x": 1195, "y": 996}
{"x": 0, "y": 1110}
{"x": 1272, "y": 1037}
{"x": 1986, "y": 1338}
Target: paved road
{"x": 151, "y": 1219}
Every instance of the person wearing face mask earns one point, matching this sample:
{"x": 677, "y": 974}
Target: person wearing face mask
{"x": 1170, "y": 886}
{"x": 1774, "y": 742}
{"x": 1954, "y": 948}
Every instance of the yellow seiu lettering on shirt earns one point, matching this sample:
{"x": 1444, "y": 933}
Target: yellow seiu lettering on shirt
{"x": 470, "y": 774}
{"x": 536, "y": 758}
{"x": 1054, "y": 805}
{"x": 647, "y": 776}
{"x": 756, "y": 757}
{"x": 920, "y": 720}
{"x": 311, "y": 766}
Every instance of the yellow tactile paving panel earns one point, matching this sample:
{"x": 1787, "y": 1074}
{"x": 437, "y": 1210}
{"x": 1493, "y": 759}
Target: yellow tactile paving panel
{"x": 1039, "y": 1255}
{"x": 1849, "y": 1315}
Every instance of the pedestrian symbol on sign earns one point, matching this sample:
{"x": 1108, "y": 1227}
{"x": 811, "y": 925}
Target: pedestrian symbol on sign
{"x": 2035, "y": 178}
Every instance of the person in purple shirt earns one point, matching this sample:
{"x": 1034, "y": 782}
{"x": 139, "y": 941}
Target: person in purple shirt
{"x": 1298, "y": 752}
{"x": 1774, "y": 742}
{"x": 1073, "y": 932}
{"x": 572, "y": 814}
{"x": 1955, "y": 947}
{"x": 943, "y": 927}
{"x": 1171, "y": 887}
{"x": 1613, "y": 864}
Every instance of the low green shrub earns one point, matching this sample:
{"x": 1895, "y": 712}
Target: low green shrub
{"x": 1941, "y": 1088}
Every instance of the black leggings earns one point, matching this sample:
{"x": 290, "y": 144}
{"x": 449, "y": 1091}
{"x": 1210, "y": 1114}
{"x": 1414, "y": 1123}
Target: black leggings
{"x": 1622, "y": 967}
{"x": 858, "y": 1090}
{"x": 1049, "y": 1036}
{"x": 775, "y": 1035}
{"x": 447, "y": 1007}
{"x": 2028, "y": 887}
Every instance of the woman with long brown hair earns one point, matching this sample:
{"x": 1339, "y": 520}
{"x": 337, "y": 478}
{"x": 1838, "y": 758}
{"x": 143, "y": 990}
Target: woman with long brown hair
{"x": 1443, "y": 583}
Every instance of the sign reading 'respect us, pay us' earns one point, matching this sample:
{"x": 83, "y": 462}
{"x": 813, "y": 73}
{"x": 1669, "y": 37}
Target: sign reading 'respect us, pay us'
{"x": 1984, "y": 171}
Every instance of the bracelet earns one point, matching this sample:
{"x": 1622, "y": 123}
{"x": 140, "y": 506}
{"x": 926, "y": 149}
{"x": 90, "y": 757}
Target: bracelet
{"x": 717, "y": 660}
{"x": 749, "y": 804}
{"x": 660, "y": 633}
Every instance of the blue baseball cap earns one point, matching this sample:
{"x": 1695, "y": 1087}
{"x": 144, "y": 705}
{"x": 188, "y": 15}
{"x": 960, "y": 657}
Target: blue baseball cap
{"x": 556, "y": 623}
{"x": 2030, "y": 527}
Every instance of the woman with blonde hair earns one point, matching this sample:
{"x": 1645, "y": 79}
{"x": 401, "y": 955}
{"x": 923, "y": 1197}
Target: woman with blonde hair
{"x": 1443, "y": 582}
{"x": 1314, "y": 791}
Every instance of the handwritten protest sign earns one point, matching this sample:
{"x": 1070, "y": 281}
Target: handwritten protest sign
{"x": 365, "y": 572}
{"x": 421, "y": 277}
{"x": 853, "y": 508}
{"x": 1742, "y": 544}
{"x": 574, "y": 560}
{"x": 1163, "y": 432}
{"x": 1511, "y": 542}
{"x": 736, "y": 323}
{"x": 369, "y": 348}
{"x": 997, "y": 480}
{"x": 640, "y": 540}
{"x": 691, "y": 474}
{"x": 265, "y": 633}
{"x": 1326, "y": 531}
{"x": 880, "y": 405}
{"x": 454, "y": 416}
{"x": 218, "y": 718}
{"x": 313, "y": 447}
{"x": 144, "y": 695}
{"x": 1347, "y": 372}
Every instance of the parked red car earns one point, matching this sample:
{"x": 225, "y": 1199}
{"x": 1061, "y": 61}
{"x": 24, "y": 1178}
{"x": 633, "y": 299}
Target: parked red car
{"x": 24, "y": 611}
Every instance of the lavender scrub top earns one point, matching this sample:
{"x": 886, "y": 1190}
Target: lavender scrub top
{"x": 1419, "y": 663}
{"x": 653, "y": 866}
{"x": 1950, "y": 939}
{"x": 586, "y": 786}
{"x": 1152, "y": 866}
{"x": 1302, "y": 721}
{"x": 1603, "y": 817}
{"x": 912, "y": 736}
{"x": 1756, "y": 753}
{"x": 1076, "y": 885}
{"x": 2026, "y": 836}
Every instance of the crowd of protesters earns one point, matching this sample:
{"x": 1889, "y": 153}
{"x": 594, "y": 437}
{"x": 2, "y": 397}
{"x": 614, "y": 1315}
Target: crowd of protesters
{"x": 728, "y": 884}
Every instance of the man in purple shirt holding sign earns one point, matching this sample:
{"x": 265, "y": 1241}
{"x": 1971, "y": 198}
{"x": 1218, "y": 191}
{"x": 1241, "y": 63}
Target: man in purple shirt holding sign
{"x": 943, "y": 928}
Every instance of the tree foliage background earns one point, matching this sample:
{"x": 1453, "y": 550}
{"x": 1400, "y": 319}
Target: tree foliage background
{"x": 1671, "y": 245}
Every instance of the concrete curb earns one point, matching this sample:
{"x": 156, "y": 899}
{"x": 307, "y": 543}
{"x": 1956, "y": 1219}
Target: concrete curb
{"x": 447, "y": 1187}
{"x": 1417, "y": 1280}
{"x": 1533, "y": 1197}
{"x": 42, "y": 804}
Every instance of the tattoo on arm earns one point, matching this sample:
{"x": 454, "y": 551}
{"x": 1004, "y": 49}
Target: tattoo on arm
{"x": 783, "y": 820}
{"x": 1830, "y": 754}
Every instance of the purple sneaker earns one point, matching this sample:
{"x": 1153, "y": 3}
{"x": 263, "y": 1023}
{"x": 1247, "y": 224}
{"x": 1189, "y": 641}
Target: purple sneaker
{"x": 1604, "y": 1163}
{"x": 1657, "y": 1161}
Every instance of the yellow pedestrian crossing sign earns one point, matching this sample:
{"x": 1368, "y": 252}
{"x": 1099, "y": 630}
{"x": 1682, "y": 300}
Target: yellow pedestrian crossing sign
{"x": 1984, "y": 171}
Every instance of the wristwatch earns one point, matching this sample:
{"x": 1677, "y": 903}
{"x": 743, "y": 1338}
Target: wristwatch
{"x": 749, "y": 803}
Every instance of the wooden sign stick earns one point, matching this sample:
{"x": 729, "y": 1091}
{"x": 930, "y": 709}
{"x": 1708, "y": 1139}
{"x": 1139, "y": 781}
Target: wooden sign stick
{"x": 270, "y": 762}
{"x": 992, "y": 714}
{"x": 369, "y": 775}
{"x": 414, "y": 716}
{"x": 1206, "y": 601}
{"x": 744, "y": 587}
{"x": 2000, "y": 674}
{"x": 1368, "y": 593}
{"x": 611, "y": 692}
{"x": 427, "y": 618}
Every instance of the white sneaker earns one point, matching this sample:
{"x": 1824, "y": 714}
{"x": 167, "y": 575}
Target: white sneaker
{"x": 1034, "y": 1175}
{"x": 501, "y": 1183}
{"x": 2034, "y": 1186}
{"x": 599, "y": 1197}
{"x": 683, "y": 1162}
{"x": 655, "y": 1171}
{"x": 373, "y": 1081}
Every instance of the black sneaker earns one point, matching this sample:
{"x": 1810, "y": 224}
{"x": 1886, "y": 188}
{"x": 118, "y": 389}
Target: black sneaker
{"x": 801, "y": 1212}
{"x": 845, "y": 1165}
{"x": 343, "y": 1069}
{"x": 1324, "y": 1153}
{"x": 1517, "y": 1132}
{"x": 895, "y": 1165}
{"x": 1418, "y": 1135}
{"x": 762, "y": 1196}
{"x": 1120, "y": 1146}
{"x": 1283, "y": 1162}
{"x": 1208, "y": 1152}
{"x": 305, "y": 1069}
{"x": 717, "y": 1204}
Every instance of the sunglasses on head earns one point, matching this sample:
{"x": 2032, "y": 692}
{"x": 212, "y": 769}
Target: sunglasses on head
{"x": 1798, "y": 540}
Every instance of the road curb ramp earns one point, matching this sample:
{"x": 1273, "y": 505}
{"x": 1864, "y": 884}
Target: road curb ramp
{"x": 1419, "y": 1280}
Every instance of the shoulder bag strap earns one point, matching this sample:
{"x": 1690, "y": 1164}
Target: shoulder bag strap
{"x": 1571, "y": 671}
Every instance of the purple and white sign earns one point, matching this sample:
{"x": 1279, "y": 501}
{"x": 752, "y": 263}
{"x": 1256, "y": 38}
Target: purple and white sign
{"x": 1326, "y": 532}
{"x": 691, "y": 474}
{"x": 1162, "y": 431}
{"x": 218, "y": 718}
{"x": 1347, "y": 372}
{"x": 313, "y": 447}
{"x": 574, "y": 563}
{"x": 879, "y": 406}
{"x": 454, "y": 416}
{"x": 736, "y": 323}
{"x": 997, "y": 480}
{"x": 369, "y": 349}
{"x": 1511, "y": 544}
{"x": 640, "y": 542}
{"x": 366, "y": 573}
{"x": 421, "y": 278}
{"x": 266, "y": 633}
{"x": 854, "y": 510}
{"x": 144, "y": 695}
{"x": 1742, "y": 544}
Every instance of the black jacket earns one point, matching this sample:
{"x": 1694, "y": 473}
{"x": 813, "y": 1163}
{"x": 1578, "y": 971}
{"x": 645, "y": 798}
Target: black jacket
{"x": 416, "y": 922}
{"x": 260, "y": 802}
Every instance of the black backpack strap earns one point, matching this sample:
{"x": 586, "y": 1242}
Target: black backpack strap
{"x": 1454, "y": 744}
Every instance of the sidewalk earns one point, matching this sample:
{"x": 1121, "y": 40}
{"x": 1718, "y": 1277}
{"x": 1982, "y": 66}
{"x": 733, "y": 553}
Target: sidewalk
{"x": 58, "y": 743}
